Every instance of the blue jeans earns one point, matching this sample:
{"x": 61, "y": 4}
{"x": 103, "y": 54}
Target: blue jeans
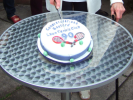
{"x": 9, "y": 7}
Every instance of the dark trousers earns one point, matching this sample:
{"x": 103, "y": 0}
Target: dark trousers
{"x": 36, "y": 6}
{"x": 9, "y": 7}
{"x": 76, "y": 6}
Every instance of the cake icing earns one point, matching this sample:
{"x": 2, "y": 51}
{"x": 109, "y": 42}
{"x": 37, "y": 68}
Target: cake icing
{"x": 65, "y": 41}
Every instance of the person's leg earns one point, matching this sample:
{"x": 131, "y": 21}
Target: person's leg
{"x": 67, "y": 6}
{"x": 10, "y": 10}
{"x": 36, "y": 6}
{"x": 9, "y": 7}
{"x": 80, "y": 6}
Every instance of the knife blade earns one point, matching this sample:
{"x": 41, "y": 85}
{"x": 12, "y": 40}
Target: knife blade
{"x": 59, "y": 14}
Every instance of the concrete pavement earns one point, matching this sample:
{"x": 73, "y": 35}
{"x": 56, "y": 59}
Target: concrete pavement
{"x": 11, "y": 90}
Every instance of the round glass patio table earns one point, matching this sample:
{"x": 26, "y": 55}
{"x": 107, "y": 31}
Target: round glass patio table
{"x": 22, "y": 61}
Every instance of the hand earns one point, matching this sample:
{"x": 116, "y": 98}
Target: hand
{"x": 117, "y": 9}
{"x": 55, "y": 3}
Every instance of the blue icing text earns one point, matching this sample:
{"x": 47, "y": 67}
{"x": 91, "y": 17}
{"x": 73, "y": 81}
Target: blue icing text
{"x": 61, "y": 23}
{"x": 62, "y": 31}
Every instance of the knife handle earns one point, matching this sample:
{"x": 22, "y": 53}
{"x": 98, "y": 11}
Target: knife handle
{"x": 55, "y": 4}
{"x": 113, "y": 17}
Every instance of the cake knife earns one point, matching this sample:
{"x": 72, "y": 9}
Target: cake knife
{"x": 59, "y": 14}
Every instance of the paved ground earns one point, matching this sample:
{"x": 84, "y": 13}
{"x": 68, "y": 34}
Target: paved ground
{"x": 11, "y": 90}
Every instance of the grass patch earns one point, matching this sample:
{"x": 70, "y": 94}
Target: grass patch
{"x": 9, "y": 94}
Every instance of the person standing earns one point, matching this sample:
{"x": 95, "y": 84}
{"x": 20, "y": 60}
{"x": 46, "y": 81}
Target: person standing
{"x": 36, "y": 7}
{"x": 92, "y": 6}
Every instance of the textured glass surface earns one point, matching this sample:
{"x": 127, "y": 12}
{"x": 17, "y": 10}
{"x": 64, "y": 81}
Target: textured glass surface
{"x": 21, "y": 59}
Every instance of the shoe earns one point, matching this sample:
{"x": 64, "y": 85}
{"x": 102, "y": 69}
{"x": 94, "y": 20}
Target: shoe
{"x": 85, "y": 95}
{"x": 15, "y": 19}
{"x": 101, "y": 12}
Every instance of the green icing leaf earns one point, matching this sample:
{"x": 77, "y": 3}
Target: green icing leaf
{"x": 81, "y": 42}
{"x": 89, "y": 50}
{"x": 62, "y": 44}
{"x": 71, "y": 60}
{"x": 39, "y": 35}
{"x": 45, "y": 53}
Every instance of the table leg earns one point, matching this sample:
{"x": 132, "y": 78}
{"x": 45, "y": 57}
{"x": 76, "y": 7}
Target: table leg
{"x": 66, "y": 96}
{"x": 117, "y": 88}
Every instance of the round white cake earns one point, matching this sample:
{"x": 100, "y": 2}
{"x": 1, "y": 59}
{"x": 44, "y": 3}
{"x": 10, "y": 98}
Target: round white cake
{"x": 65, "y": 41}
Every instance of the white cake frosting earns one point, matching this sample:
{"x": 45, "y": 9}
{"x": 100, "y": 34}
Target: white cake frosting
{"x": 65, "y": 30}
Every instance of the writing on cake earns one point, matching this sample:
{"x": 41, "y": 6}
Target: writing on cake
{"x": 60, "y": 24}
{"x": 62, "y": 31}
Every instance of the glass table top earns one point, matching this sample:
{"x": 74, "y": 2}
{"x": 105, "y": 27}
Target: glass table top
{"x": 22, "y": 61}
